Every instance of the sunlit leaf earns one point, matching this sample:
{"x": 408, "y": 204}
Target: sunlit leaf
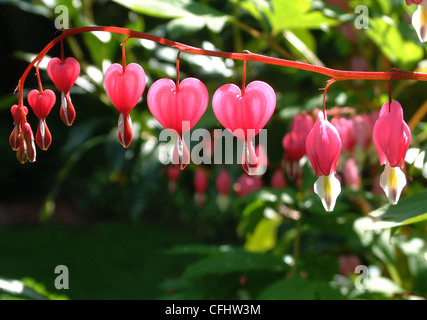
{"x": 409, "y": 210}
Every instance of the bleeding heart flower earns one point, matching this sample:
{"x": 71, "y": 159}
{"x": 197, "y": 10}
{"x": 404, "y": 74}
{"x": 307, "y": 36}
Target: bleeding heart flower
{"x": 345, "y": 129}
{"x": 223, "y": 183}
{"x": 19, "y": 116}
{"x": 363, "y": 130}
{"x": 351, "y": 174}
{"x": 41, "y": 103}
{"x": 64, "y": 74}
{"x": 173, "y": 175}
{"x": 201, "y": 185}
{"x": 27, "y": 149}
{"x": 245, "y": 115}
{"x": 178, "y": 108}
{"x": 125, "y": 86}
{"x": 392, "y": 138}
{"x": 323, "y": 149}
{"x": 247, "y": 184}
{"x": 278, "y": 180}
{"x": 294, "y": 143}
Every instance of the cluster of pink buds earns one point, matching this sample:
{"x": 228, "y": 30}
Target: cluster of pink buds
{"x": 326, "y": 140}
{"x": 22, "y": 138}
{"x": 63, "y": 73}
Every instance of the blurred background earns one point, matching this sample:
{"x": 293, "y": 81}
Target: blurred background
{"x": 128, "y": 227}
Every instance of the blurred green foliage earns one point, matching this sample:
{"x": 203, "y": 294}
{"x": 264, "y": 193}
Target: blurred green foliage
{"x": 282, "y": 243}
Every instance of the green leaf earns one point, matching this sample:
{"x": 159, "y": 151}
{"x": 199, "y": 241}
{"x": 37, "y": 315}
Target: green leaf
{"x": 386, "y": 35}
{"x": 298, "y": 15}
{"x": 234, "y": 261}
{"x": 188, "y": 16}
{"x": 298, "y": 288}
{"x": 264, "y": 237}
{"x": 409, "y": 210}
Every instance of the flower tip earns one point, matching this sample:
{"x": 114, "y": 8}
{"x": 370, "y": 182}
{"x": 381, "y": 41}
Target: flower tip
{"x": 328, "y": 189}
{"x": 392, "y": 180}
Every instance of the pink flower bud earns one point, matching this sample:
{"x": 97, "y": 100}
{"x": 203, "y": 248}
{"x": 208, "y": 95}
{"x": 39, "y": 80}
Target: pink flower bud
{"x": 323, "y": 149}
{"x": 410, "y": 2}
{"x": 173, "y": 175}
{"x": 28, "y": 139}
{"x": 348, "y": 264}
{"x": 247, "y": 184}
{"x": 200, "y": 180}
{"x": 201, "y": 185}
{"x": 351, "y": 174}
{"x": 323, "y": 146}
{"x": 294, "y": 142}
{"x": 278, "y": 180}
{"x": 392, "y": 138}
{"x": 345, "y": 129}
{"x": 223, "y": 182}
{"x": 363, "y": 130}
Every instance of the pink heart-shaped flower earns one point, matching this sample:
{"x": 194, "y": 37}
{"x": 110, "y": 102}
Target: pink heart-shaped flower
{"x": 63, "y": 73}
{"x": 178, "y": 110}
{"x": 41, "y": 102}
{"x": 244, "y": 115}
{"x": 125, "y": 87}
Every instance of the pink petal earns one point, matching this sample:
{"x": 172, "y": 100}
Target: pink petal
{"x": 178, "y": 110}
{"x": 124, "y": 89}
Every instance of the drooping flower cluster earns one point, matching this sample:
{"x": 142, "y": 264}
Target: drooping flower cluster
{"x": 391, "y": 137}
{"x": 179, "y": 105}
{"x": 63, "y": 73}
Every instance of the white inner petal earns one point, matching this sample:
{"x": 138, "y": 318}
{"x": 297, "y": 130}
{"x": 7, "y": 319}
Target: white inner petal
{"x": 392, "y": 180}
{"x": 64, "y": 106}
{"x": 328, "y": 189}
